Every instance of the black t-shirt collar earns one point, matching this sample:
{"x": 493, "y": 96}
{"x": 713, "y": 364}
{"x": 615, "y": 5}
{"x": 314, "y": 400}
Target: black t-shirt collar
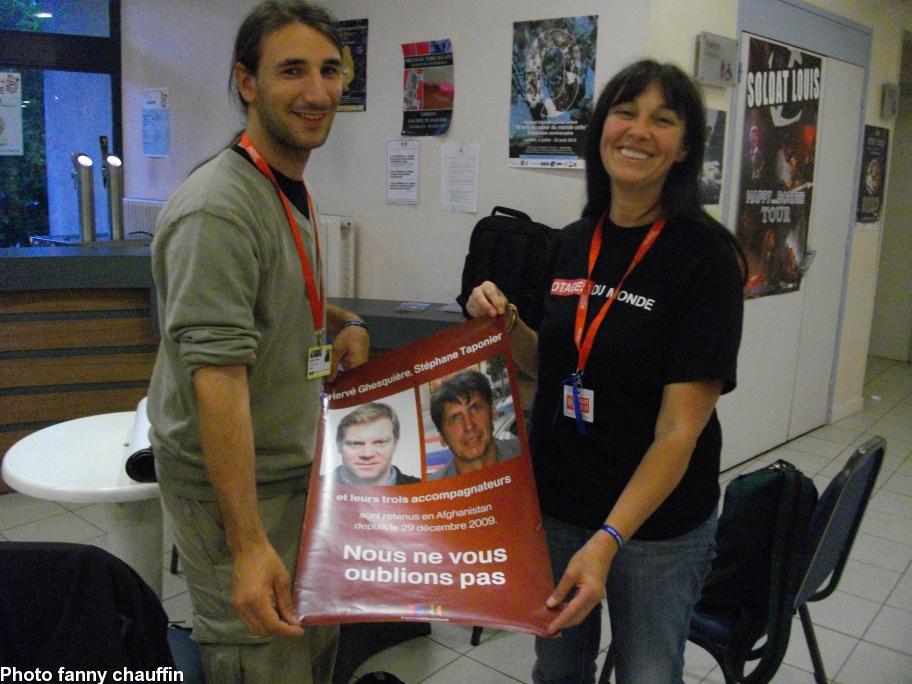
{"x": 294, "y": 190}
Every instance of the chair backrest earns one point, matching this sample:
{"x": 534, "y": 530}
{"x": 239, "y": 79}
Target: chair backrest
{"x": 836, "y": 520}
{"x": 79, "y": 607}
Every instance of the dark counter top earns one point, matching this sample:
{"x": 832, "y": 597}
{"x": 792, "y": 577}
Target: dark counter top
{"x": 126, "y": 265}
{"x": 389, "y": 328}
{"x": 94, "y": 265}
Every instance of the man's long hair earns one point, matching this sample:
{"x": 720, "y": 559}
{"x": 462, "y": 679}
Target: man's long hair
{"x": 267, "y": 18}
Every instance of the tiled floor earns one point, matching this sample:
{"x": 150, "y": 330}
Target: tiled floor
{"x": 864, "y": 629}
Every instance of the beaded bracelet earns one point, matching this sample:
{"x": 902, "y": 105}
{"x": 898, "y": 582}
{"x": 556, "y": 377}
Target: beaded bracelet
{"x": 618, "y": 537}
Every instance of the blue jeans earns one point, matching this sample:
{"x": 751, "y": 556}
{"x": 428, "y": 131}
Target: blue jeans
{"x": 651, "y": 590}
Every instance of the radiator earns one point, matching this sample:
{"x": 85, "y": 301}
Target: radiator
{"x": 139, "y": 216}
{"x": 337, "y": 242}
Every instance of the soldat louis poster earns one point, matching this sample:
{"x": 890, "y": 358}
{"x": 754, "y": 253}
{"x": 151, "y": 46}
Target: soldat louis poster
{"x": 779, "y": 146}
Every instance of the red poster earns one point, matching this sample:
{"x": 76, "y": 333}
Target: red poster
{"x": 413, "y": 521}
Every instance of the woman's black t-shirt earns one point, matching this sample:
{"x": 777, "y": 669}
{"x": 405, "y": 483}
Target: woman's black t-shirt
{"x": 677, "y": 319}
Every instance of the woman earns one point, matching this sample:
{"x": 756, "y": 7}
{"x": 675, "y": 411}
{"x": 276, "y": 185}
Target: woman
{"x": 639, "y": 339}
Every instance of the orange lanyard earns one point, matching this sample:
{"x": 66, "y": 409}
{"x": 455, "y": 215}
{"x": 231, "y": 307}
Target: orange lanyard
{"x": 314, "y": 292}
{"x": 584, "y": 342}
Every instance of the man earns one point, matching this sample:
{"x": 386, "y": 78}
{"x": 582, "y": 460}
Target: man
{"x": 462, "y": 409}
{"x": 366, "y": 439}
{"x": 755, "y": 155}
{"x": 234, "y": 396}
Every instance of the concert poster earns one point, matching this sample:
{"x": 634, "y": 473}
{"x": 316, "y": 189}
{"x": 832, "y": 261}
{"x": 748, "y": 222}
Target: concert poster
{"x": 873, "y": 174}
{"x": 428, "y": 87}
{"x": 354, "y": 60}
{"x": 777, "y": 164}
{"x": 422, "y": 535}
{"x": 711, "y": 174}
{"x": 552, "y": 90}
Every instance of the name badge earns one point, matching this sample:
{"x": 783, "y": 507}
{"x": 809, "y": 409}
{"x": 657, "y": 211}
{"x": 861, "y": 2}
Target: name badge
{"x": 586, "y": 403}
{"x": 319, "y": 361}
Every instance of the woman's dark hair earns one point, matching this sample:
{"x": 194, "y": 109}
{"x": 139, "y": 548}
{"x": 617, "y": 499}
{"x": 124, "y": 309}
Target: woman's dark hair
{"x": 681, "y": 192}
{"x": 265, "y": 19}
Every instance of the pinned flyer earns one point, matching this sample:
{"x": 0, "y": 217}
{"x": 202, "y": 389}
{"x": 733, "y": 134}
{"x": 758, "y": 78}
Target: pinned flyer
{"x": 422, "y": 500}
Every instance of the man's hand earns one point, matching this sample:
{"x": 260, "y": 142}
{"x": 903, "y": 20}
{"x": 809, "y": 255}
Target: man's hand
{"x": 351, "y": 347}
{"x": 262, "y": 592}
{"x": 587, "y": 572}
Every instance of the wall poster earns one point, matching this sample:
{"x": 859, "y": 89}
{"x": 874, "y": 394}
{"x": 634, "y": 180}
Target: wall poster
{"x": 156, "y": 123}
{"x": 711, "y": 174}
{"x": 873, "y": 173}
{"x": 777, "y": 175}
{"x": 552, "y": 91}
{"x": 418, "y": 511}
{"x": 428, "y": 87}
{"x": 354, "y": 61}
{"x": 11, "y": 114}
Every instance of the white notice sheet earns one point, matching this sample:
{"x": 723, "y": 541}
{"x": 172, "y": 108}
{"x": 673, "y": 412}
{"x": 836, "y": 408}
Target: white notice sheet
{"x": 459, "y": 177}
{"x": 402, "y": 171}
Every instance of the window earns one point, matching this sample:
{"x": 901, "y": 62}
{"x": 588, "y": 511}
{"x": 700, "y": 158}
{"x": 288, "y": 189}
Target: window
{"x": 60, "y": 84}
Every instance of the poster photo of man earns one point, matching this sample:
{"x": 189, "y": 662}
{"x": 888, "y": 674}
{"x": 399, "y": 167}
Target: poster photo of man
{"x": 470, "y": 421}
{"x": 873, "y": 172}
{"x": 552, "y": 89}
{"x": 777, "y": 164}
{"x": 375, "y": 443}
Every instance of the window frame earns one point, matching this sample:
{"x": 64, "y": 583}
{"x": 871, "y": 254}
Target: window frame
{"x": 66, "y": 52}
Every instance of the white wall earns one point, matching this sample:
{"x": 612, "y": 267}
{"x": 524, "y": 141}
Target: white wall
{"x": 185, "y": 46}
{"x": 416, "y": 253}
{"x": 892, "y": 327}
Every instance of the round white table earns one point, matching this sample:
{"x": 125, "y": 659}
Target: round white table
{"x": 83, "y": 461}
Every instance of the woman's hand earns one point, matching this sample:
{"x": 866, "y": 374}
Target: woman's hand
{"x": 586, "y": 572}
{"x": 486, "y": 300}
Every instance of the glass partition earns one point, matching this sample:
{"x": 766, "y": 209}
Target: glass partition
{"x": 59, "y": 95}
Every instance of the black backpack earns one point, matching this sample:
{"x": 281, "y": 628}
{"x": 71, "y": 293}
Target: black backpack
{"x": 515, "y": 252}
{"x": 761, "y": 542}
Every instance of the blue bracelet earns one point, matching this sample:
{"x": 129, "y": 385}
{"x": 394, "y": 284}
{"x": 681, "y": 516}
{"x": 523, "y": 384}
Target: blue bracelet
{"x": 618, "y": 537}
{"x": 353, "y": 323}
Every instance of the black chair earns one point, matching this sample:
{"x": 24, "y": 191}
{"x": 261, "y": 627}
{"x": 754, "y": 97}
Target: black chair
{"x": 833, "y": 526}
{"x": 77, "y": 606}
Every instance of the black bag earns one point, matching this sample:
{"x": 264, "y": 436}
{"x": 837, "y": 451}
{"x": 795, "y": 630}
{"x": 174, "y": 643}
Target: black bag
{"x": 379, "y": 678}
{"x": 513, "y": 251}
{"x": 761, "y": 543}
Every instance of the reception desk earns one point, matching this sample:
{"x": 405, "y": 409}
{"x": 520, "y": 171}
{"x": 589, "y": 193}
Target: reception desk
{"x": 78, "y": 332}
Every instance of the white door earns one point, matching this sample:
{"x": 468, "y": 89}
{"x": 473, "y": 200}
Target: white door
{"x": 788, "y": 347}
